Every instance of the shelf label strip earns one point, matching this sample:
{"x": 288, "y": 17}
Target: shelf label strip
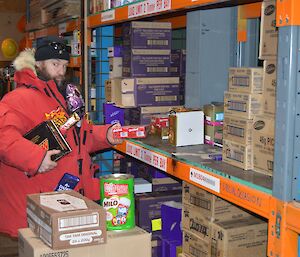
{"x": 148, "y": 7}
{"x": 151, "y": 158}
{"x": 205, "y": 180}
{"x": 108, "y": 16}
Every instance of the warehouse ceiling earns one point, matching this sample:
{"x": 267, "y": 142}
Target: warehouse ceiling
{"x": 13, "y": 6}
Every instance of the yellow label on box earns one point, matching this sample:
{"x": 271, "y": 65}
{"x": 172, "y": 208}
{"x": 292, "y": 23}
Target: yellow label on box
{"x": 156, "y": 224}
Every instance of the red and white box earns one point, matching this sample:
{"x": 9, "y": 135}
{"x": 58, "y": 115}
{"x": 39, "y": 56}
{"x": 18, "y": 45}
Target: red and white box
{"x": 160, "y": 121}
{"x": 130, "y": 132}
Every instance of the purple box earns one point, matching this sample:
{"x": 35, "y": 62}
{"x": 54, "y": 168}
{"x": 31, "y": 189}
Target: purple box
{"x": 158, "y": 91}
{"x": 182, "y": 90}
{"x": 178, "y": 62}
{"x": 169, "y": 247}
{"x": 114, "y": 51}
{"x": 142, "y": 170}
{"x": 171, "y": 221}
{"x": 147, "y": 35}
{"x": 146, "y": 63}
{"x": 148, "y": 208}
{"x": 156, "y": 247}
{"x": 113, "y": 114}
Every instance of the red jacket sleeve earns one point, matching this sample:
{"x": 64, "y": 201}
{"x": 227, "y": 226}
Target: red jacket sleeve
{"x": 98, "y": 137}
{"x": 15, "y": 150}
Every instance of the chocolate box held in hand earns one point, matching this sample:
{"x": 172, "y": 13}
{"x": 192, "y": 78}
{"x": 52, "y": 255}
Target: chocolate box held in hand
{"x": 66, "y": 219}
{"x": 48, "y": 136}
{"x": 130, "y": 132}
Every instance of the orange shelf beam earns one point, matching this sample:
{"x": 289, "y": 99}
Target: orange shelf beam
{"x": 287, "y": 13}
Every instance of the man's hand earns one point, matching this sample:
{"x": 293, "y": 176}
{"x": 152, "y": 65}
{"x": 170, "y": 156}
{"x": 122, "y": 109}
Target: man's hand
{"x": 110, "y": 138}
{"x": 47, "y": 163}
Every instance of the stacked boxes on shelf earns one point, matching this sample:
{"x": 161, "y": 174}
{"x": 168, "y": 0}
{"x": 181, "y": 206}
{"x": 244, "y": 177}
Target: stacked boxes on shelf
{"x": 242, "y": 103}
{"x": 214, "y": 115}
{"x": 215, "y": 227}
{"x": 264, "y": 125}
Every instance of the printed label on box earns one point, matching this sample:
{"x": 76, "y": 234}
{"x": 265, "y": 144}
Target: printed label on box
{"x": 205, "y": 180}
{"x": 154, "y": 159}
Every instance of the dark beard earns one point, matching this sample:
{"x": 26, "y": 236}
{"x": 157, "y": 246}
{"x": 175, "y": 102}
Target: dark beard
{"x": 43, "y": 75}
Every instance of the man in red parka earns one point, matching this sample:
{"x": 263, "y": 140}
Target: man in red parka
{"x": 25, "y": 167}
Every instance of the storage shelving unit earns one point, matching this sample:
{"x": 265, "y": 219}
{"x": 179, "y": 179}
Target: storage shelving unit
{"x": 272, "y": 198}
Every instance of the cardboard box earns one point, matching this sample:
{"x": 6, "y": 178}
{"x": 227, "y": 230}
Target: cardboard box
{"x": 235, "y": 238}
{"x": 238, "y": 130}
{"x": 214, "y": 113}
{"x": 147, "y": 35}
{"x": 186, "y": 128}
{"x": 213, "y": 135}
{"x": 146, "y": 63}
{"x": 194, "y": 222}
{"x": 195, "y": 246}
{"x": 150, "y": 91}
{"x": 246, "y": 80}
{"x": 238, "y": 155}
{"x": 178, "y": 62}
{"x": 142, "y": 115}
{"x": 148, "y": 209}
{"x": 210, "y": 206}
{"x": 66, "y": 219}
{"x": 115, "y": 67}
{"x": 136, "y": 241}
{"x": 242, "y": 105}
{"x": 270, "y": 85}
{"x": 268, "y": 31}
{"x": 113, "y": 92}
{"x": 113, "y": 114}
{"x": 171, "y": 216}
{"x": 142, "y": 186}
{"x": 263, "y": 144}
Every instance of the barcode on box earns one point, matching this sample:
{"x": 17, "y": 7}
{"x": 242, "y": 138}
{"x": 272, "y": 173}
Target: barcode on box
{"x": 152, "y": 42}
{"x": 165, "y": 98}
{"x": 204, "y": 204}
{"x": 240, "y": 81}
{"x": 77, "y": 222}
{"x": 157, "y": 69}
{"x": 236, "y": 156}
{"x": 237, "y": 106}
{"x": 236, "y": 131}
{"x": 197, "y": 252}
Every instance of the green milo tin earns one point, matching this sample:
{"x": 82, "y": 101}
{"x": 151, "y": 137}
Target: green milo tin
{"x": 118, "y": 200}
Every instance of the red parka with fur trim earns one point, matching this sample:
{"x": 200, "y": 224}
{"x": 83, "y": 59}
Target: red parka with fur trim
{"x": 20, "y": 111}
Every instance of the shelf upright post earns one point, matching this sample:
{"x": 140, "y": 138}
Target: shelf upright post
{"x": 287, "y": 131}
{"x": 104, "y": 39}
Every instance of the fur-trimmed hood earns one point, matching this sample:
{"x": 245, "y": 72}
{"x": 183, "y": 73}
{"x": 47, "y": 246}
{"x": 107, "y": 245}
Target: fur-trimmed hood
{"x": 25, "y": 60}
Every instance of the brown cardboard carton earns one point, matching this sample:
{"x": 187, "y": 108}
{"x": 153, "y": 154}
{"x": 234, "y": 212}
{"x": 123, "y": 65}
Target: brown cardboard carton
{"x": 270, "y": 85}
{"x": 193, "y": 221}
{"x": 268, "y": 31}
{"x": 66, "y": 219}
{"x": 136, "y": 241}
{"x": 246, "y": 80}
{"x": 238, "y": 155}
{"x": 194, "y": 246}
{"x": 210, "y": 206}
{"x": 214, "y": 112}
{"x": 236, "y": 238}
{"x": 237, "y": 129}
{"x": 263, "y": 144}
{"x": 113, "y": 91}
{"x": 115, "y": 67}
{"x": 242, "y": 105}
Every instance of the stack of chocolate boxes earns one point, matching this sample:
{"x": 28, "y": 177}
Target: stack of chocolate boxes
{"x": 249, "y": 105}
{"x": 66, "y": 223}
{"x": 215, "y": 227}
{"x": 264, "y": 125}
{"x": 242, "y": 102}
